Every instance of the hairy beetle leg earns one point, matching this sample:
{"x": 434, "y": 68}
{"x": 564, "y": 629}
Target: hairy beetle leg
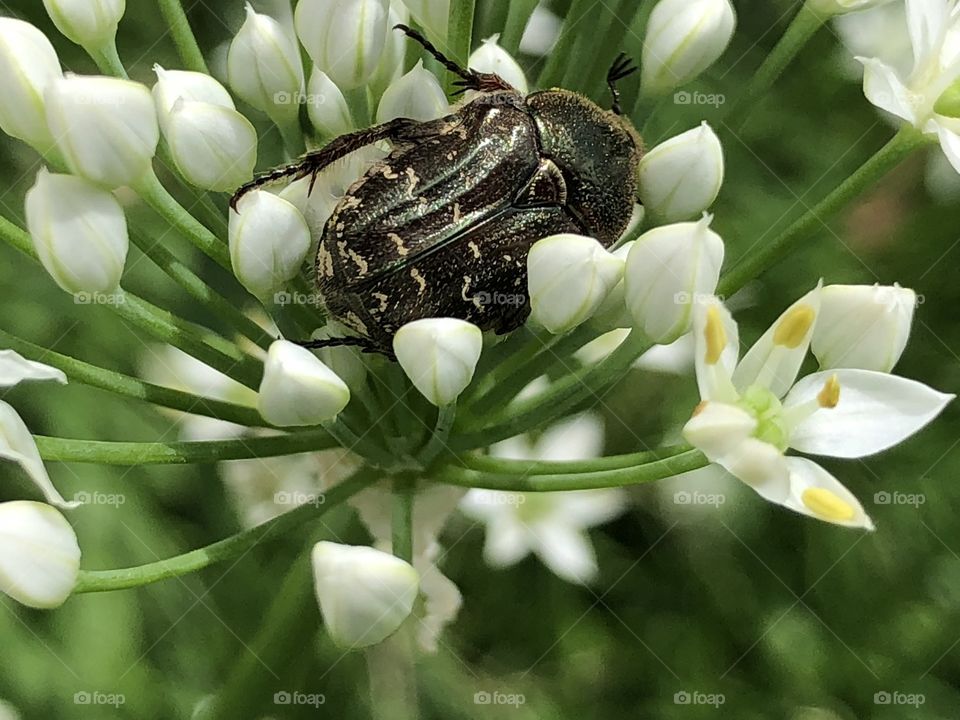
{"x": 622, "y": 67}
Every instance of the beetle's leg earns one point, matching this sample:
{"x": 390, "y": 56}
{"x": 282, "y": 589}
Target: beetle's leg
{"x": 622, "y": 67}
{"x": 313, "y": 162}
{"x": 469, "y": 79}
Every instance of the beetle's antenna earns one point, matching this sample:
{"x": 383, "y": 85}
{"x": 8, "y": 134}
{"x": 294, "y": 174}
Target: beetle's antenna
{"x": 622, "y": 67}
{"x": 441, "y": 58}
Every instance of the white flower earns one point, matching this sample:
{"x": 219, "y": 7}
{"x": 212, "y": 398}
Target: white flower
{"x": 79, "y": 232}
{"x": 345, "y": 38}
{"x": 90, "y": 23}
{"x": 684, "y": 38}
{"x": 439, "y": 355}
{"x": 174, "y": 85}
{"x": 105, "y": 128}
{"x": 878, "y": 32}
{"x": 681, "y": 177}
{"x": 394, "y": 55}
{"x": 667, "y": 269}
{"x": 753, "y": 411}
{"x": 39, "y": 554}
{"x": 541, "y": 33}
{"x": 550, "y": 525}
{"x": 264, "y": 68}
{"x": 934, "y": 27}
{"x": 298, "y": 389}
{"x": 432, "y": 15}
{"x": 28, "y": 64}
{"x": 364, "y": 594}
{"x": 269, "y": 240}
{"x": 214, "y": 147}
{"x": 416, "y": 95}
{"x": 8, "y": 712}
{"x": 862, "y": 326}
{"x": 569, "y": 277}
{"x": 327, "y": 107}
{"x": 491, "y": 58}
{"x": 838, "y": 7}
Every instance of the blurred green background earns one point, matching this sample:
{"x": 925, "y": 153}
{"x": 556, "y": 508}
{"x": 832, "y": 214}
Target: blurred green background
{"x": 783, "y": 616}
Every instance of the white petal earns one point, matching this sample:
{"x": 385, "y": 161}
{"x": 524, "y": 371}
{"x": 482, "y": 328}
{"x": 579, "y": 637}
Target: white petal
{"x": 15, "y": 368}
{"x": 950, "y": 143}
{"x": 577, "y": 438}
{"x": 775, "y": 366}
{"x": 927, "y": 23}
{"x": 589, "y": 508}
{"x": 508, "y": 542}
{"x": 718, "y": 429}
{"x": 713, "y": 380}
{"x": 761, "y": 466}
{"x": 817, "y": 493}
{"x": 442, "y": 601}
{"x": 884, "y": 89}
{"x": 17, "y": 445}
{"x": 876, "y": 411}
{"x": 567, "y": 552}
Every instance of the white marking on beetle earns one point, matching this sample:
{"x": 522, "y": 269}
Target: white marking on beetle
{"x": 474, "y": 249}
{"x": 383, "y": 300}
{"x": 326, "y": 261}
{"x": 456, "y": 212}
{"x": 508, "y": 258}
{"x": 413, "y": 180}
{"x": 388, "y": 173}
{"x": 398, "y": 241}
{"x": 421, "y": 281}
{"x": 466, "y": 288}
{"x": 350, "y": 202}
{"x": 355, "y": 322}
{"x": 361, "y": 263}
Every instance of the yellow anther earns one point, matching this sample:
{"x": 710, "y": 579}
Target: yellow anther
{"x": 699, "y": 409}
{"x": 793, "y": 329}
{"x": 715, "y": 334}
{"x": 829, "y": 396}
{"x": 828, "y": 505}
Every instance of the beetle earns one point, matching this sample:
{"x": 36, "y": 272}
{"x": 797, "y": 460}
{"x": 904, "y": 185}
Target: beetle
{"x": 442, "y": 226}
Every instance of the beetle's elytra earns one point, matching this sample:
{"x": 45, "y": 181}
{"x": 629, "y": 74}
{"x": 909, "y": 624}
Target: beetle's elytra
{"x": 441, "y": 227}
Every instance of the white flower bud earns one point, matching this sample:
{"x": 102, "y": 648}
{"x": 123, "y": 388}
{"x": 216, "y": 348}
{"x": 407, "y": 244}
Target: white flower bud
{"x": 327, "y": 107}
{"x": 680, "y": 178}
{"x": 269, "y": 240}
{"x": 541, "y": 33}
{"x": 416, "y": 95}
{"x": 345, "y": 38}
{"x": 491, "y": 58}
{"x": 28, "y": 64}
{"x": 394, "y": 55}
{"x": 90, "y": 23}
{"x": 439, "y": 355}
{"x": 569, "y": 278}
{"x": 215, "y": 148}
{"x": 39, "y": 554}
{"x": 839, "y": 7}
{"x": 612, "y": 313}
{"x": 298, "y": 389}
{"x": 432, "y": 15}
{"x": 17, "y": 445}
{"x": 668, "y": 269}
{"x": 79, "y": 232}
{"x": 364, "y": 594}
{"x": 684, "y": 38}
{"x": 105, "y": 128}
{"x": 173, "y": 85}
{"x": 264, "y": 67}
{"x": 863, "y": 327}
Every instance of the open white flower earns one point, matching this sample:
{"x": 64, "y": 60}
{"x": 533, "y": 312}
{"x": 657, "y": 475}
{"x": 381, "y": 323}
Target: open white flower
{"x": 753, "y": 410}
{"x": 16, "y": 442}
{"x": 919, "y": 98}
{"x": 550, "y": 525}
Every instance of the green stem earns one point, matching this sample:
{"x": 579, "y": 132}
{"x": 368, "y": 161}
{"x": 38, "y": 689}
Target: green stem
{"x": 803, "y": 27}
{"x": 156, "y": 196}
{"x": 129, "y": 454}
{"x": 200, "y": 291}
{"x": 884, "y": 160}
{"x": 521, "y": 468}
{"x": 552, "y": 72}
{"x": 353, "y": 442}
{"x": 234, "y": 546}
{"x": 108, "y": 60}
{"x": 518, "y": 15}
{"x": 131, "y": 387}
{"x": 459, "y": 35}
{"x": 620, "y": 477}
{"x": 183, "y": 36}
{"x": 402, "y": 521}
{"x": 446, "y": 416}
